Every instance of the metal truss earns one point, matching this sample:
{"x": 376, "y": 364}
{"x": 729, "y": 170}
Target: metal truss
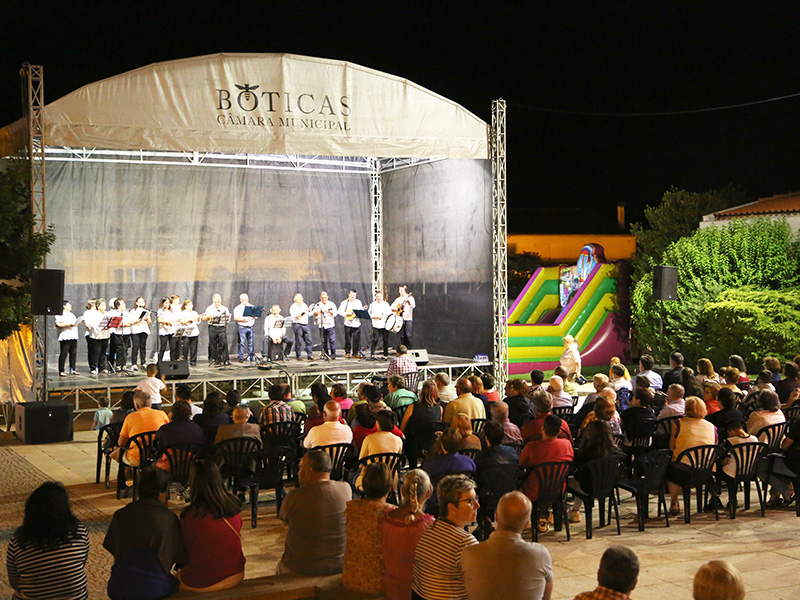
{"x": 376, "y": 194}
{"x": 499, "y": 240}
{"x": 33, "y": 85}
{"x": 335, "y": 164}
{"x": 395, "y": 164}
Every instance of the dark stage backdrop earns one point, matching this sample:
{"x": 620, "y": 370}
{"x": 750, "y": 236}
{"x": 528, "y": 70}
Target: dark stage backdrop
{"x": 128, "y": 230}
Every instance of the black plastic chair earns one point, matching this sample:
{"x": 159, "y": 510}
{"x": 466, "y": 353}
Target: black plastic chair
{"x": 471, "y": 452}
{"x": 180, "y": 458}
{"x": 300, "y": 418}
{"x": 148, "y": 451}
{"x": 600, "y": 477}
{"x": 640, "y": 436}
{"x": 339, "y": 453}
{"x": 493, "y": 482}
{"x": 746, "y": 457}
{"x": 552, "y": 480}
{"x": 565, "y": 412}
{"x": 394, "y": 460}
{"x": 665, "y": 425}
{"x": 284, "y": 434}
{"x": 478, "y": 425}
{"x": 424, "y": 436}
{"x": 270, "y": 464}
{"x": 773, "y": 436}
{"x": 702, "y": 460}
{"x": 411, "y": 381}
{"x": 792, "y": 414}
{"x": 107, "y": 438}
{"x": 648, "y": 475}
{"x": 237, "y": 460}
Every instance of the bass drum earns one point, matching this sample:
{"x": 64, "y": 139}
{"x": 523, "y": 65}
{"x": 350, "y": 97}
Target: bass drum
{"x": 394, "y": 323}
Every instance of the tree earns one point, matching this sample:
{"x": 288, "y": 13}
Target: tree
{"x": 677, "y": 215}
{"x": 521, "y": 268}
{"x": 21, "y": 249}
{"x": 761, "y": 255}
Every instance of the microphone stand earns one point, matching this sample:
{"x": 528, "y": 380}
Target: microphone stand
{"x": 323, "y": 352}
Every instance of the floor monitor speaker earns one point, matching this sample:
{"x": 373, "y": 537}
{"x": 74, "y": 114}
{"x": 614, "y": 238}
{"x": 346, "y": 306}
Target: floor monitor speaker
{"x": 174, "y": 369}
{"x": 419, "y": 356}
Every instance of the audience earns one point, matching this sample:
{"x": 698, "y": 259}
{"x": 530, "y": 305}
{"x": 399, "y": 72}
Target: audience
{"x": 790, "y": 381}
{"x": 276, "y": 410}
{"x": 447, "y": 393}
{"x": 211, "y": 527}
{"x": 675, "y": 405}
{"x": 331, "y": 431}
{"x": 495, "y": 453}
{"x": 710, "y": 396}
{"x": 646, "y": 363}
{"x": 617, "y": 575}
{"x": 737, "y": 362}
{"x": 437, "y": 465}
{"x": 145, "y": 419}
{"x": 180, "y": 430}
{"x": 595, "y": 443}
{"x": 614, "y": 362}
{"x": 401, "y": 530}
{"x": 618, "y": 380}
{"x": 499, "y": 414}
{"x": 465, "y": 403}
{"x": 213, "y": 416}
{"x": 126, "y": 407}
{"x": 398, "y": 395}
{"x": 773, "y": 365}
{"x": 520, "y": 410}
{"x": 492, "y": 395}
{"x": 718, "y": 580}
{"x": 418, "y": 416}
{"x": 638, "y": 415}
{"x": 316, "y": 414}
{"x": 705, "y": 371}
{"x": 363, "y": 424}
{"x": 557, "y": 393}
{"x": 605, "y": 410}
{"x": 769, "y": 413}
{"x": 314, "y": 512}
{"x": 463, "y": 425}
{"x": 532, "y": 430}
{"x": 692, "y": 386}
{"x": 675, "y": 370}
{"x": 506, "y": 566}
{"x": 362, "y": 567}
{"x": 145, "y": 540}
{"x": 437, "y": 563}
{"x": 727, "y": 414}
{"x": 384, "y": 439}
{"x": 184, "y": 392}
{"x": 241, "y": 426}
{"x": 46, "y": 556}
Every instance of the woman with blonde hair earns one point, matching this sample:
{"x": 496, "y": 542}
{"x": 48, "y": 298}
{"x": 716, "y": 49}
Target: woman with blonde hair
{"x": 401, "y": 531}
{"x": 571, "y": 357}
{"x": 718, "y": 580}
{"x": 705, "y": 371}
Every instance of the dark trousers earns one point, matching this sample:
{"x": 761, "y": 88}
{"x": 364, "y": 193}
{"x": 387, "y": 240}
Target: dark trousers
{"x": 302, "y": 339}
{"x": 189, "y": 349}
{"x": 171, "y": 342}
{"x": 405, "y": 333}
{"x": 352, "y": 340}
{"x": 139, "y": 348}
{"x": 278, "y": 351}
{"x": 218, "y": 344}
{"x": 68, "y": 347}
{"x": 119, "y": 355}
{"x": 384, "y": 335}
{"x": 97, "y": 353}
{"x": 329, "y": 341}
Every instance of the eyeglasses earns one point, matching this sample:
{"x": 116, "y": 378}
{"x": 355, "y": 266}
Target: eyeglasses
{"x": 473, "y": 501}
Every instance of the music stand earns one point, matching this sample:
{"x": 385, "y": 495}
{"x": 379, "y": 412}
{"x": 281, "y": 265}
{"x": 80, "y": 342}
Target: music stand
{"x": 323, "y": 352}
{"x": 253, "y": 311}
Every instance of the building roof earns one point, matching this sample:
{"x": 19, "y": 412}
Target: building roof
{"x": 783, "y": 204}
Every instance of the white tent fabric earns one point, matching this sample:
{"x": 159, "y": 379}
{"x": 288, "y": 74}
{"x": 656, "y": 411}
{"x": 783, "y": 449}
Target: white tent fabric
{"x": 262, "y": 104}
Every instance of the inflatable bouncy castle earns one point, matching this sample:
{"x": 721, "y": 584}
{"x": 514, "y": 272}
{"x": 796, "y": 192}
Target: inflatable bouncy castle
{"x": 579, "y": 300}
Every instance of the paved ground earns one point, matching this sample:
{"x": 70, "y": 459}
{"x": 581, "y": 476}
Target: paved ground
{"x": 766, "y": 550}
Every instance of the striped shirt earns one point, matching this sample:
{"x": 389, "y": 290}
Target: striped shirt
{"x": 437, "y": 564}
{"x": 55, "y": 574}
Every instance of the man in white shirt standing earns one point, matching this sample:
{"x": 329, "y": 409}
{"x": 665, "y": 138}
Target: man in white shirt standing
{"x": 325, "y": 311}
{"x": 379, "y": 311}
{"x": 245, "y": 328}
{"x": 352, "y": 324}
{"x": 302, "y": 336}
{"x": 218, "y": 317}
{"x": 404, "y": 306}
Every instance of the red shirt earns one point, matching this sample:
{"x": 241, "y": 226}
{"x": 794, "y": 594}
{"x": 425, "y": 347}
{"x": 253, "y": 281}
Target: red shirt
{"x": 492, "y": 396}
{"x": 532, "y": 430}
{"x": 536, "y": 453}
{"x": 214, "y": 550}
{"x": 359, "y": 433}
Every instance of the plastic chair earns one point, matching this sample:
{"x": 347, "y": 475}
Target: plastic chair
{"x": 564, "y": 411}
{"x": 395, "y": 461}
{"x": 640, "y": 436}
{"x": 792, "y": 413}
{"x": 702, "y": 460}
{"x": 471, "y": 452}
{"x": 180, "y": 458}
{"x": 145, "y": 443}
{"x": 270, "y": 464}
{"x": 107, "y": 438}
{"x": 601, "y": 477}
{"x": 424, "y": 436}
{"x": 552, "y": 479}
{"x": 648, "y": 475}
{"x": 746, "y": 457}
{"x": 300, "y": 418}
{"x": 284, "y": 434}
{"x": 773, "y": 436}
{"x": 338, "y": 453}
{"x": 238, "y": 462}
{"x": 411, "y": 381}
{"x": 494, "y": 481}
{"x": 478, "y": 425}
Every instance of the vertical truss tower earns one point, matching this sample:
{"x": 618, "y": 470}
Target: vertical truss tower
{"x": 499, "y": 239}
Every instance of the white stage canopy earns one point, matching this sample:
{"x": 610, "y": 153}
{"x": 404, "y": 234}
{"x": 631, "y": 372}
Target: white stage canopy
{"x": 261, "y": 104}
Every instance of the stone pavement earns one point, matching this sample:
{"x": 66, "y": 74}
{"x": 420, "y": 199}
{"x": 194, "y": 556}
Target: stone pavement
{"x": 766, "y": 550}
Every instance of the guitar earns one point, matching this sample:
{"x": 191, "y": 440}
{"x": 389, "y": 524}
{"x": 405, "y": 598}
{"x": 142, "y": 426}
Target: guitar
{"x": 401, "y": 309}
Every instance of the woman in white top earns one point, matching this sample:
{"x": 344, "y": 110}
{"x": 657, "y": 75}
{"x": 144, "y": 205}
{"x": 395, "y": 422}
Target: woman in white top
{"x": 167, "y": 325}
{"x": 67, "y": 324}
{"x": 190, "y": 319}
{"x": 91, "y": 308}
{"x": 140, "y": 329}
{"x": 571, "y": 357}
{"x": 98, "y": 337}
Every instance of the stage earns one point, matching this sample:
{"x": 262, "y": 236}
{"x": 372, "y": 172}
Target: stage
{"x": 84, "y": 390}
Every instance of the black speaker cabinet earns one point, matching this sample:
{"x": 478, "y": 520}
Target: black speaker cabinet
{"x": 47, "y": 291}
{"x": 174, "y": 369}
{"x": 419, "y": 356}
{"x": 665, "y": 283}
{"x": 43, "y": 422}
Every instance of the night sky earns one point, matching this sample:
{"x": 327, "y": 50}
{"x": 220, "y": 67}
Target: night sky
{"x": 549, "y": 60}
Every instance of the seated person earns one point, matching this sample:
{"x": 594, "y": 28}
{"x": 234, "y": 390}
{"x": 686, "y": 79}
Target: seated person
{"x": 276, "y": 410}
{"x": 557, "y": 393}
{"x": 332, "y": 431}
{"x": 710, "y": 395}
{"x": 437, "y": 465}
{"x": 569, "y": 385}
{"x": 398, "y": 394}
{"x": 339, "y": 393}
{"x": 620, "y": 378}
{"x": 616, "y": 577}
{"x": 675, "y": 405}
{"x": 605, "y": 410}
{"x": 495, "y": 453}
{"x": 727, "y": 414}
{"x": 241, "y": 427}
{"x": 646, "y": 363}
{"x": 769, "y": 414}
{"x": 386, "y": 437}
{"x": 180, "y": 430}
{"x": 532, "y": 430}
{"x": 447, "y": 393}
{"x": 636, "y": 417}
{"x": 315, "y": 514}
{"x": 469, "y": 441}
{"x": 511, "y": 433}
{"x": 790, "y": 381}
{"x": 144, "y": 538}
{"x": 213, "y": 416}
{"x": 520, "y": 409}
{"x": 492, "y": 395}
{"x": 718, "y": 579}
{"x": 465, "y": 403}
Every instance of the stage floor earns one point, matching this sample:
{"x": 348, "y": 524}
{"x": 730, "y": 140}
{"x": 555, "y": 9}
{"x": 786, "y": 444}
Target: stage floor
{"x": 251, "y": 380}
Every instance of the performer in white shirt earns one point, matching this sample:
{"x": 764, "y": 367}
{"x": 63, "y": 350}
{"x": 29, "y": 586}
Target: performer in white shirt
{"x": 191, "y": 321}
{"x": 379, "y": 310}
{"x": 302, "y": 336}
{"x": 86, "y": 318}
{"x": 98, "y": 337}
{"x": 404, "y": 306}
{"x": 218, "y": 317}
{"x": 67, "y": 325}
{"x": 167, "y": 325}
{"x": 324, "y": 311}
{"x": 275, "y": 332}
{"x": 117, "y": 350}
{"x": 140, "y": 329}
{"x": 352, "y": 324}
{"x": 246, "y": 334}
